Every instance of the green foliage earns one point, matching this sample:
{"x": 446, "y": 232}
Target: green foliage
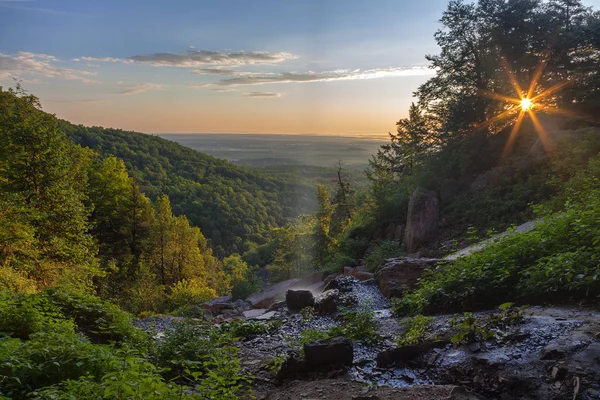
{"x": 470, "y": 329}
{"x": 358, "y": 324}
{"x": 43, "y": 215}
{"x": 247, "y": 329}
{"x": 275, "y": 363}
{"x": 48, "y": 358}
{"x": 100, "y": 320}
{"x": 386, "y": 249}
{"x": 307, "y": 313}
{"x": 234, "y": 205}
{"x": 557, "y": 261}
{"x": 416, "y": 330}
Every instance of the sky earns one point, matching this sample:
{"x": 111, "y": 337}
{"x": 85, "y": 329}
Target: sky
{"x": 189, "y": 66}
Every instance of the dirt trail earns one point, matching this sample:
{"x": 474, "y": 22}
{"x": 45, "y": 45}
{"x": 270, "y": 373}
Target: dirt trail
{"x": 526, "y": 227}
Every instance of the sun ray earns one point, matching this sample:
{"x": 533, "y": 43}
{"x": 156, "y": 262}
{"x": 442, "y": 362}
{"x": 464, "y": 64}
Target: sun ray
{"x": 512, "y": 78}
{"x": 539, "y": 70}
{"x": 551, "y": 90}
{"x": 513, "y": 134}
{"x": 542, "y": 134}
{"x": 497, "y": 96}
{"x": 497, "y": 118}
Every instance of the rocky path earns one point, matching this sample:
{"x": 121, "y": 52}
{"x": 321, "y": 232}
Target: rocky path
{"x": 526, "y": 227}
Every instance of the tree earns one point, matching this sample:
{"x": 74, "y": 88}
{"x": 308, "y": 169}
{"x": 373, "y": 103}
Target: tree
{"x": 43, "y": 215}
{"x": 322, "y": 225}
{"x": 343, "y": 203}
{"x": 413, "y": 138}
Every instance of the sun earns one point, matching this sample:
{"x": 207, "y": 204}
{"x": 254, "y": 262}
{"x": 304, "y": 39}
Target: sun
{"x": 523, "y": 105}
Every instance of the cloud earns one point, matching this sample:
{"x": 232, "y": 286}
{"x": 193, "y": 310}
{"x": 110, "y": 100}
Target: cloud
{"x": 336, "y": 75}
{"x": 261, "y": 94}
{"x": 32, "y": 64}
{"x": 213, "y": 71}
{"x": 76, "y": 101}
{"x": 16, "y": 5}
{"x": 222, "y": 90}
{"x": 138, "y": 88}
{"x": 198, "y": 58}
{"x": 103, "y": 59}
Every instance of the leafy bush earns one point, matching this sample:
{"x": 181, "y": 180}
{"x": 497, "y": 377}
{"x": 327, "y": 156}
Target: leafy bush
{"x": 49, "y": 358}
{"x": 98, "y": 319}
{"x": 357, "y": 324}
{"x": 246, "y": 329}
{"x": 187, "y": 292}
{"x": 387, "y": 249}
{"x": 23, "y": 315}
{"x": 470, "y": 329}
{"x": 416, "y": 330}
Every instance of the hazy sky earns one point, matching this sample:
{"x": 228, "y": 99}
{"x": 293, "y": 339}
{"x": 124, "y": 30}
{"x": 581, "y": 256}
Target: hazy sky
{"x": 261, "y": 66}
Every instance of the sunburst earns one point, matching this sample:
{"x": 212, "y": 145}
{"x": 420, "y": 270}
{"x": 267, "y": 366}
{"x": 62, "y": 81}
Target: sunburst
{"x": 526, "y": 105}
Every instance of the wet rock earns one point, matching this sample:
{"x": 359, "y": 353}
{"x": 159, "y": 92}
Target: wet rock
{"x": 250, "y": 314}
{"x": 558, "y": 373}
{"x": 280, "y": 305}
{"x": 398, "y": 275}
{"x": 216, "y": 306}
{"x": 422, "y": 222}
{"x": 399, "y": 355}
{"x": 292, "y": 367}
{"x": 271, "y": 294}
{"x": 363, "y": 276}
{"x": 242, "y": 305}
{"x": 268, "y": 315}
{"x": 298, "y": 299}
{"x": 327, "y": 302}
{"x": 329, "y": 352}
{"x": 342, "y": 283}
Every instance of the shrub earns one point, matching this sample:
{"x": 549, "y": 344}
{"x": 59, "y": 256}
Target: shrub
{"x": 98, "y": 319}
{"x": 416, "y": 330}
{"x": 357, "y": 324}
{"x": 187, "y": 292}
{"x": 47, "y": 359}
{"x": 386, "y": 249}
{"x": 23, "y": 315}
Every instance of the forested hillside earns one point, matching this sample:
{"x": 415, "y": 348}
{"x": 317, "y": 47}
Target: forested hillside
{"x": 232, "y": 205}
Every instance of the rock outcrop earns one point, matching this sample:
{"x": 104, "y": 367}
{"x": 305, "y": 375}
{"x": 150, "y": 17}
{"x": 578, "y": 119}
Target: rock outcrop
{"x": 298, "y": 299}
{"x": 329, "y": 352}
{"x": 327, "y": 302}
{"x": 422, "y": 220}
{"x": 398, "y": 275}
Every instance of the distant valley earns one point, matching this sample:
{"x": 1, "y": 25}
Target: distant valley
{"x": 263, "y": 150}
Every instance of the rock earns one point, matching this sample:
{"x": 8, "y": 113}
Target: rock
{"x": 342, "y": 283}
{"x": 216, "y": 306}
{"x": 271, "y": 294}
{"x": 363, "y": 276}
{"x": 334, "y": 351}
{"x": 422, "y": 220}
{"x": 280, "y": 305}
{"x": 402, "y": 355}
{"x": 348, "y": 271}
{"x": 399, "y": 275}
{"x": 327, "y": 302}
{"x": 250, "y": 314}
{"x": 558, "y": 373}
{"x": 268, "y": 315}
{"x": 309, "y": 280}
{"x": 292, "y": 367}
{"x": 242, "y": 305}
{"x": 298, "y": 299}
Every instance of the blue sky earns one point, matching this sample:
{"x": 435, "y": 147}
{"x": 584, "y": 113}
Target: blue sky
{"x": 330, "y": 66}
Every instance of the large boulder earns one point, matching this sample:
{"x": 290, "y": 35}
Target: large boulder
{"x": 298, "y": 299}
{"x": 329, "y": 352}
{"x": 218, "y": 305}
{"x": 423, "y": 219}
{"x": 399, "y": 275}
{"x": 327, "y": 302}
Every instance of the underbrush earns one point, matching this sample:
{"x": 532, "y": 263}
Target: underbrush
{"x": 557, "y": 262}
{"x": 62, "y": 345}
